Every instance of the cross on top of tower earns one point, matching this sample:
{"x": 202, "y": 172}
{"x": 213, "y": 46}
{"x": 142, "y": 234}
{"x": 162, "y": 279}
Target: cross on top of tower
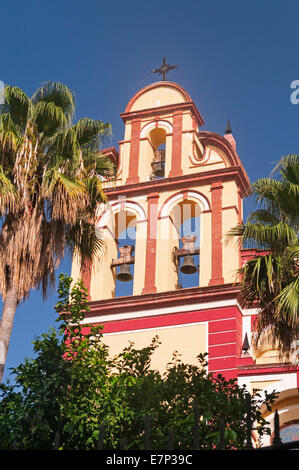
{"x": 164, "y": 69}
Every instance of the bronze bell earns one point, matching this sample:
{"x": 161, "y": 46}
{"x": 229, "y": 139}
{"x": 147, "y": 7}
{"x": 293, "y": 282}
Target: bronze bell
{"x": 158, "y": 163}
{"x": 188, "y": 266}
{"x": 124, "y": 274}
{"x": 158, "y": 169}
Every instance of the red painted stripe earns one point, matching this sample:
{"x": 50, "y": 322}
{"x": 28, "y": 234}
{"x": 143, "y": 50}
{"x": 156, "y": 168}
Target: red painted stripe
{"x": 216, "y": 190}
{"x": 245, "y": 361}
{"x": 253, "y": 320}
{"x": 134, "y": 152}
{"x": 222, "y": 325}
{"x": 222, "y": 363}
{"x": 222, "y": 350}
{"x": 168, "y": 320}
{"x": 150, "y": 263}
{"x": 222, "y": 338}
{"x": 86, "y": 276}
{"x": 229, "y": 375}
{"x": 176, "y": 167}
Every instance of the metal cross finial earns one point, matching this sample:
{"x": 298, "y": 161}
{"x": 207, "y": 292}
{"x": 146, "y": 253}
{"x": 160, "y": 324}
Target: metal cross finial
{"x": 164, "y": 69}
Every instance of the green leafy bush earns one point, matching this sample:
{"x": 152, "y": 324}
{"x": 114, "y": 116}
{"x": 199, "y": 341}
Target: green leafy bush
{"x": 73, "y": 395}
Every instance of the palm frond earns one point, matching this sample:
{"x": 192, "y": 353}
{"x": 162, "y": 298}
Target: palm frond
{"x": 49, "y": 117}
{"x": 84, "y": 239}
{"x": 104, "y": 166}
{"x": 263, "y": 216}
{"x": 58, "y": 94}
{"x": 288, "y": 304}
{"x": 276, "y": 237}
{"x": 65, "y": 145}
{"x": 55, "y": 178}
{"x": 75, "y": 188}
{"x": 48, "y": 198}
{"x": 90, "y": 132}
{"x": 66, "y": 197}
{"x": 284, "y": 162}
{"x": 265, "y": 192}
{"x": 95, "y": 193}
{"x": 10, "y": 138}
{"x": 9, "y": 197}
{"x": 18, "y": 106}
{"x": 263, "y": 273}
{"x": 272, "y": 281}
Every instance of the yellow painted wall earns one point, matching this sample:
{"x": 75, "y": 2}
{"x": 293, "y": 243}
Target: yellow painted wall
{"x": 230, "y": 218}
{"x": 102, "y": 284}
{"x": 140, "y": 251}
{"x": 205, "y": 268}
{"x": 166, "y": 272}
{"x": 258, "y": 385}
{"x": 156, "y": 97}
{"x": 188, "y": 340}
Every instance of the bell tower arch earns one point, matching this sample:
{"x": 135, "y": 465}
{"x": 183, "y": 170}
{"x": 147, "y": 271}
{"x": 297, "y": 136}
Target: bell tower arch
{"x": 161, "y": 113}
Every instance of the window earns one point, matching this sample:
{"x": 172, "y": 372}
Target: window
{"x": 290, "y": 432}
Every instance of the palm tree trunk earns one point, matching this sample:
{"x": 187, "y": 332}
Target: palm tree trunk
{"x": 6, "y": 324}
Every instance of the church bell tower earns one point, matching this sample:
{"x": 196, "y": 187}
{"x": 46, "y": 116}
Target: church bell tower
{"x": 165, "y": 269}
{"x": 177, "y": 192}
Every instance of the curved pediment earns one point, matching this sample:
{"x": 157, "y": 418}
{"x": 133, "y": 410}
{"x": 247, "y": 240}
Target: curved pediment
{"x": 158, "y": 95}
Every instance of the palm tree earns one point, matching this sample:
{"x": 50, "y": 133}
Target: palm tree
{"x": 271, "y": 279}
{"x": 50, "y": 187}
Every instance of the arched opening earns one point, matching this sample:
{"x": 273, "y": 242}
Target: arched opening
{"x": 289, "y": 432}
{"x": 287, "y": 407}
{"x": 121, "y": 223}
{"x": 125, "y": 237}
{"x": 157, "y": 139}
{"x": 186, "y": 219}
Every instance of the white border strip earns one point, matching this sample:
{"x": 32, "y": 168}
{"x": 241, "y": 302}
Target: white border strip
{"x": 283, "y": 381}
{"x": 126, "y": 206}
{"x": 152, "y": 125}
{"x": 162, "y": 311}
{"x": 198, "y": 198}
{"x": 156, "y": 328}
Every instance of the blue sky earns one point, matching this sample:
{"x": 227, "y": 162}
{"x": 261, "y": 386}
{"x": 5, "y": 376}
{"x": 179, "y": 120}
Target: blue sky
{"x": 236, "y": 59}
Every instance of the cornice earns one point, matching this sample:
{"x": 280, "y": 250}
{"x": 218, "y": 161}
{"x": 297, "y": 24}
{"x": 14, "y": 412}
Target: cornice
{"x": 161, "y": 110}
{"x": 182, "y": 182}
{"x": 112, "y": 153}
{"x": 175, "y": 298}
{"x": 267, "y": 368}
{"x": 151, "y": 86}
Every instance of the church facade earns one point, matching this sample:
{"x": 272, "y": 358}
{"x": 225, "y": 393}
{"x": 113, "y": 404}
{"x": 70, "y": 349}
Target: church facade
{"x": 177, "y": 192}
